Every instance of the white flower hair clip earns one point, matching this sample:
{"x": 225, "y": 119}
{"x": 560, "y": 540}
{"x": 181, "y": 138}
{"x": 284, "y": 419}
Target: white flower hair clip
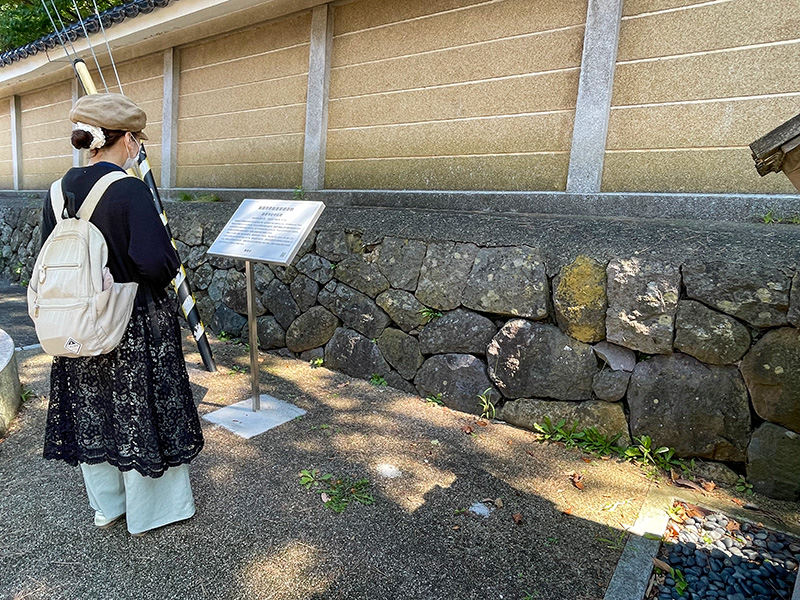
{"x": 98, "y": 138}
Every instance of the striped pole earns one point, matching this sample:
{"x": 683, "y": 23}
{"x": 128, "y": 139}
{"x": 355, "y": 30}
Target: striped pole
{"x": 180, "y": 283}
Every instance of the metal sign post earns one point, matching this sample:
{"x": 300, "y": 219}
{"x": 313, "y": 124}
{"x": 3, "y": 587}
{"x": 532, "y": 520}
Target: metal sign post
{"x": 255, "y": 372}
{"x": 267, "y": 231}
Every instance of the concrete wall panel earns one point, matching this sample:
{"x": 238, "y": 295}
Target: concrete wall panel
{"x": 484, "y": 135}
{"x": 453, "y": 94}
{"x": 471, "y": 25}
{"x": 6, "y": 166}
{"x": 714, "y": 26}
{"x": 702, "y": 170}
{"x": 261, "y": 175}
{"x": 695, "y": 83}
{"x": 46, "y": 151}
{"x": 546, "y": 172}
{"x": 242, "y": 107}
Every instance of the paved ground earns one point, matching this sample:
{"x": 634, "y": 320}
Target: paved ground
{"x": 259, "y": 534}
{"x": 14, "y": 314}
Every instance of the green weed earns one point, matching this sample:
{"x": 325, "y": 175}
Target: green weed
{"x": 615, "y": 539}
{"x": 429, "y": 314}
{"x": 338, "y": 491}
{"x": 298, "y": 193}
{"x": 437, "y": 400}
{"x": 488, "y": 409}
{"x": 315, "y": 363}
{"x": 743, "y": 486}
{"x": 377, "y": 380}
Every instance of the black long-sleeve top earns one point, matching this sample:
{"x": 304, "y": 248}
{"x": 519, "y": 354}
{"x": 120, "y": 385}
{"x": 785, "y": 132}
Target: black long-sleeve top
{"x": 139, "y": 248}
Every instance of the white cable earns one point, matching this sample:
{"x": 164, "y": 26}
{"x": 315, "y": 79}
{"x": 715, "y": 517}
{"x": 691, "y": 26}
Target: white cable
{"x": 63, "y": 27}
{"x": 55, "y": 29}
{"x": 111, "y": 56}
{"x": 91, "y": 48}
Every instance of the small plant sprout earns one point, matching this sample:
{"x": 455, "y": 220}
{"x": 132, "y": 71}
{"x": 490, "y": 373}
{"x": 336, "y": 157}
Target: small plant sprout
{"x": 435, "y": 399}
{"x": 298, "y": 193}
{"x": 377, "y": 380}
{"x": 488, "y": 409}
{"x": 429, "y": 314}
{"x": 769, "y": 216}
{"x": 337, "y": 491}
{"x": 680, "y": 581}
{"x": 224, "y": 336}
{"x": 26, "y": 393}
{"x": 615, "y": 539}
{"x": 743, "y": 487}
{"x": 315, "y": 362}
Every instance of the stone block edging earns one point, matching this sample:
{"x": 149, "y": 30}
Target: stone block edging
{"x": 10, "y": 389}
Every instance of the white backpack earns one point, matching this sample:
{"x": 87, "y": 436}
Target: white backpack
{"x": 73, "y": 314}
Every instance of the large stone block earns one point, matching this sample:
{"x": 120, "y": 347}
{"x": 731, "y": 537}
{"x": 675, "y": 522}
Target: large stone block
{"x": 508, "y": 281}
{"x": 580, "y": 299}
{"x": 338, "y": 245}
{"x": 794, "y": 301}
{"x": 228, "y": 320}
{"x": 270, "y": 334}
{"x": 403, "y": 308}
{"x": 304, "y": 291}
{"x": 312, "y": 329}
{"x": 459, "y": 378}
{"x": 400, "y": 262}
{"x": 235, "y": 295}
{"x": 642, "y": 302}
{"x": 696, "y": 409}
{"x": 616, "y": 357}
{"x": 315, "y": 267}
{"x": 401, "y": 351}
{"x": 356, "y": 310}
{"x": 459, "y": 331}
{"x": 772, "y": 372}
{"x": 753, "y": 292}
{"x": 361, "y": 275}
{"x": 278, "y": 301}
{"x": 708, "y": 335}
{"x": 608, "y": 419}
{"x": 537, "y": 360}
{"x": 610, "y": 385}
{"x": 350, "y": 352}
{"x": 773, "y": 462}
{"x": 444, "y": 273}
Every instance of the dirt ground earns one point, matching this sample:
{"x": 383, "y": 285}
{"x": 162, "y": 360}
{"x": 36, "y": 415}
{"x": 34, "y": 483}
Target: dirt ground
{"x": 259, "y": 534}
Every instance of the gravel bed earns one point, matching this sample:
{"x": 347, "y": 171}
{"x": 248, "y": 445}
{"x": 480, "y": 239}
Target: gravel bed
{"x": 713, "y": 556}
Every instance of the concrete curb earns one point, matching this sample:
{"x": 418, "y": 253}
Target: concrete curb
{"x": 10, "y": 389}
{"x": 632, "y": 574}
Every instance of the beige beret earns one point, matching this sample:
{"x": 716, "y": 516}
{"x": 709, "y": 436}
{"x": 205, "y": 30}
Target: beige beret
{"x": 111, "y": 111}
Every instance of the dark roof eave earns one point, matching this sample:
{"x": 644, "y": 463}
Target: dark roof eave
{"x": 108, "y": 17}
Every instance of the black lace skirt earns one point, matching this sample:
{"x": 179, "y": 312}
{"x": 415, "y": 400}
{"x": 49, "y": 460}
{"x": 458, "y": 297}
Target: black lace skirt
{"x": 132, "y": 407}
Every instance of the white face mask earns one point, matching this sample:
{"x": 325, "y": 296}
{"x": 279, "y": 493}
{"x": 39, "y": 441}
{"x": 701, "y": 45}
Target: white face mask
{"x": 129, "y": 164}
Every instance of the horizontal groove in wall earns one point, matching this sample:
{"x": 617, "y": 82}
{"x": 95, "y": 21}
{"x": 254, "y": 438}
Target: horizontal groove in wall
{"x": 710, "y": 52}
{"x": 247, "y": 57}
{"x": 674, "y": 9}
{"x": 457, "y": 84}
{"x": 446, "y": 156}
{"x": 455, "y": 120}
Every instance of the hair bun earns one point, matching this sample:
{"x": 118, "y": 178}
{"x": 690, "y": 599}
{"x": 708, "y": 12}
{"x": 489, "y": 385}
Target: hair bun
{"x": 81, "y": 139}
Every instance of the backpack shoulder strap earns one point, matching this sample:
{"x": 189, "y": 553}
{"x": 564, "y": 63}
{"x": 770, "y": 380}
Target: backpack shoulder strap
{"x": 97, "y": 191}
{"x": 57, "y": 199}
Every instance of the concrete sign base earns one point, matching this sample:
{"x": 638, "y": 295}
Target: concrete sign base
{"x": 240, "y": 419}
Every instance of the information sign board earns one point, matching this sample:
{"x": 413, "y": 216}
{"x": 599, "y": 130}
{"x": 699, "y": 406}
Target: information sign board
{"x": 269, "y": 231}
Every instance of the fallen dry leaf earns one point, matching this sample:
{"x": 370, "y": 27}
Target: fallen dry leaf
{"x": 466, "y": 429}
{"x": 481, "y": 423}
{"x": 673, "y": 475}
{"x": 577, "y": 480}
{"x": 737, "y": 501}
{"x": 586, "y": 460}
{"x": 567, "y": 511}
{"x": 529, "y": 453}
{"x": 517, "y": 518}
{"x": 498, "y": 502}
{"x": 708, "y": 485}
{"x": 456, "y": 527}
{"x": 732, "y": 525}
{"x": 662, "y": 565}
{"x": 341, "y": 385}
{"x": 325, "y": 497}
{"x": 689, "y": 484}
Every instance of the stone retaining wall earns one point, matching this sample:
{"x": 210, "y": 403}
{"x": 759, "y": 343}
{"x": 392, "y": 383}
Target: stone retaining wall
{"x": 699, "y": 351}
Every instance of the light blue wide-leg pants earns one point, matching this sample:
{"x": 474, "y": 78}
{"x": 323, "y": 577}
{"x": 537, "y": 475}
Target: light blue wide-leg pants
{"x": 147, "y": 502}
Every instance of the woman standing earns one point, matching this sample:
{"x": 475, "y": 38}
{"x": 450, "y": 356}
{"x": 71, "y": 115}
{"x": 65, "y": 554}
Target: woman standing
{"x": 127, "y": 417}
